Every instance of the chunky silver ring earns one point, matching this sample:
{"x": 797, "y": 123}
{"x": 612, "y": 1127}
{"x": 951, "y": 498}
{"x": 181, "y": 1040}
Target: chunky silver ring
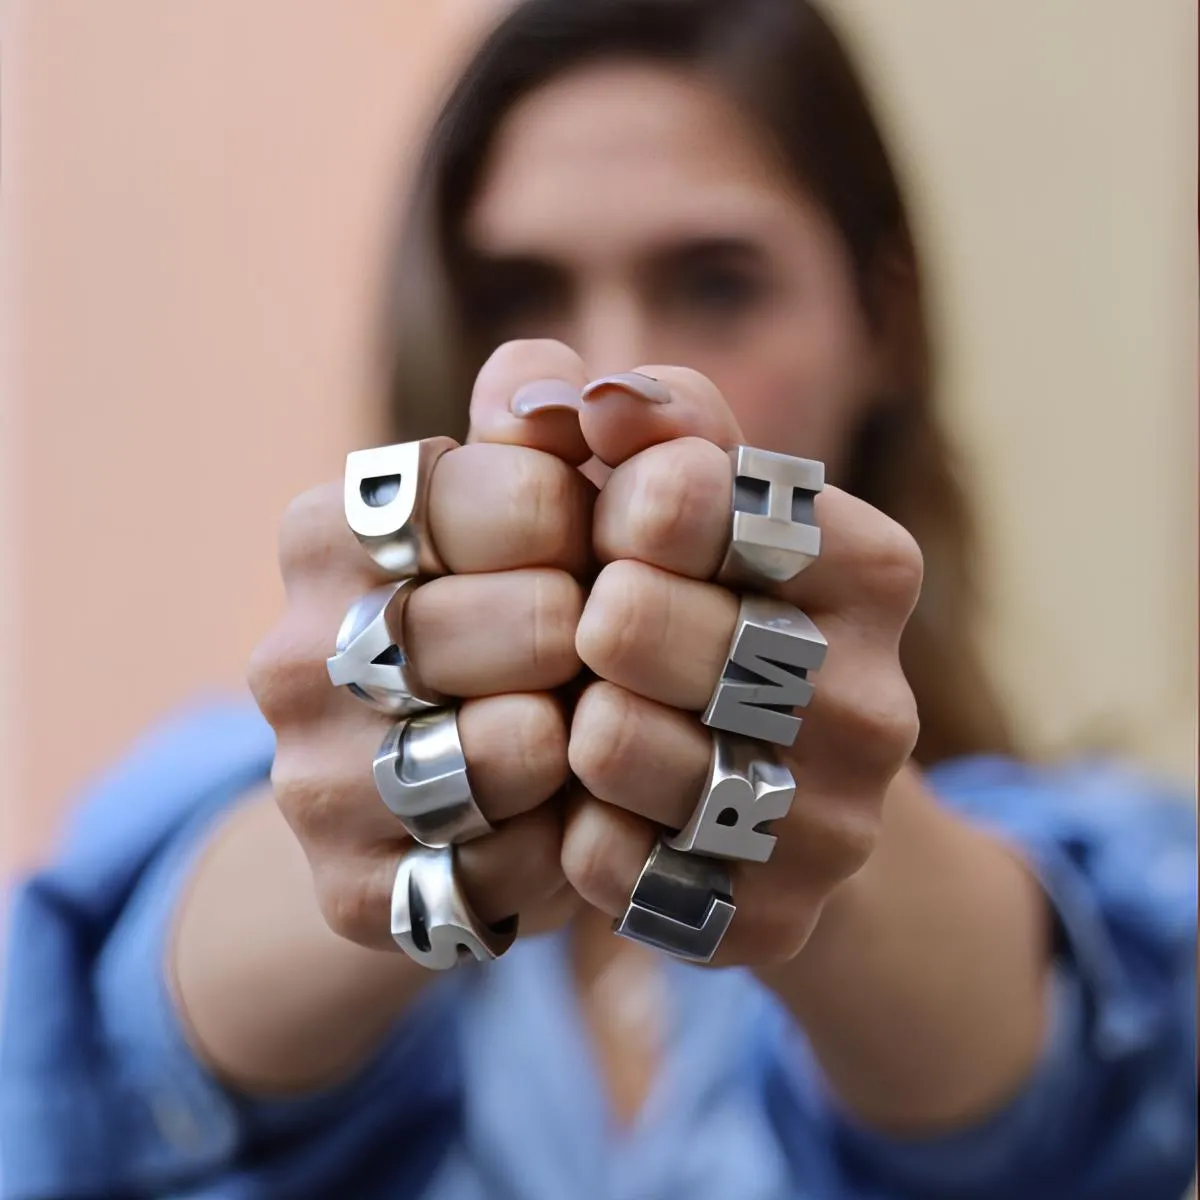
{"x": 421, "y": 775}
{"x": 681, "y": 903}
{"x": 774, "y": 533}
{"x": 747, "y": 787}
{"x": 370, "y": 662}
{"x": 431, "y": 920}
{"x": 775, "y": 648}
{"x": 386, "y": 490}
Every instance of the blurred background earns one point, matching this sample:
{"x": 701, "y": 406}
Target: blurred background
{"x": 195, "y": 198}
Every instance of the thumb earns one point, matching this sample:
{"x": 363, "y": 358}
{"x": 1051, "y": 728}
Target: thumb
{"x": 528, "y": 394}
{"x": 627, "y": 413}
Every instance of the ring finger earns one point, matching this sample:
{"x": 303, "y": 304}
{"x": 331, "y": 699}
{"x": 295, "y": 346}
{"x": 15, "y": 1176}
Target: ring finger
{"x": 514, "y": 746}
{"x": 479, "y": 635}
{"x": 604, "y": 849}
{"x": 356, "y": 896}
{"x": 638, "y": 754}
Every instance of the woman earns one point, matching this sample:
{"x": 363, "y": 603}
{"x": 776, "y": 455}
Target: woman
{"x": 949, "y": 974}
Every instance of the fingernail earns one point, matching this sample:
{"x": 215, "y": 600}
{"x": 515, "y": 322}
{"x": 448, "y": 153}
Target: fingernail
{"x": 646, "y": 387}
{"x": 543, "y": 395}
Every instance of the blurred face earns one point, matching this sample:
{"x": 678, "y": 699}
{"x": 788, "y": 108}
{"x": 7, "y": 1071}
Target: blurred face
{"x": 633, "y": 213}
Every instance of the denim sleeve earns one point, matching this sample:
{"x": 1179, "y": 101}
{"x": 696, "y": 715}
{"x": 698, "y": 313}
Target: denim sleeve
{"x": 100, "y": 1093}
{"x": 1109, "y": 1112}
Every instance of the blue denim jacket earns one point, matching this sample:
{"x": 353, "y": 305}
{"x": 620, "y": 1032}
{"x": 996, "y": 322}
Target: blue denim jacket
{"x": 487, "y": 1089}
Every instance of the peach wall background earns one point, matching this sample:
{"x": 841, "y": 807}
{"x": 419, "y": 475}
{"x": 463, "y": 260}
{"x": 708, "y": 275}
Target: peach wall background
{"x": 194, "y": 199}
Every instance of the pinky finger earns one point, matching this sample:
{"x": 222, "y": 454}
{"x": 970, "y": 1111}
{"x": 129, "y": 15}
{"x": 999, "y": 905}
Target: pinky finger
{"x": 503, "y": 874}
{"x": 603, "y": 851}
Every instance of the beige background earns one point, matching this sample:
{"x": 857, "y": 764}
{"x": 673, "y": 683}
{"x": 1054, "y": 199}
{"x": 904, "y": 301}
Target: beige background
{"x": 194, "y": 196}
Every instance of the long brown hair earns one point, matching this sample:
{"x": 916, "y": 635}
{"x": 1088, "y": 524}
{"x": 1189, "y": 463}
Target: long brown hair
{"x": 781, "y": 61}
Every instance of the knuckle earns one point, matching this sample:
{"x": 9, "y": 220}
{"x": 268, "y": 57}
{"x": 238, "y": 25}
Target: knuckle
{"x": 893, "y": 567}
{"x": 312, "y": 534}
{"x": 901, "y": 726}
{"x": 850, "y": 841}
{"x": 541, "y": 742}
{"x": 543, "y": 499}
{"x": 604, "y": 737}
{"x": 839, "y": 834}
{"x": 674, "y": 501}
{"x": 887, "y": 721}
{"x": 287, "y": 680}
{"x": 777, "y": 929}
{"x": 306, "y": 798}
{"x": 881, "y": 722}
{"x": 347, "y": 906}
{"x": 554, "y": 613}
{"x": 610, "y": 633}
{"x": 260, "y": 673}
{"x": 591, "y": 854}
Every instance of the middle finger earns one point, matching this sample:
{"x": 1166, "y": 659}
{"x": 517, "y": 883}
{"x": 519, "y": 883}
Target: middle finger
{"x": 479, "y": 635}
{"x": 497, "y": 507}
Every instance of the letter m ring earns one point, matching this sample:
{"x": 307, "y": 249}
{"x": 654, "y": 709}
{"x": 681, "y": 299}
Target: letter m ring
{"x": 774, "y": 650}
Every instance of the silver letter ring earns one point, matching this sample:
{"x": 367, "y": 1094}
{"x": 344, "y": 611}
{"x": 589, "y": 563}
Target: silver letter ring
{"x": 775, "y": 648}
{"x": 370, "y": 663}
{"x": 681, "y": 903}
{"x": 431, "y": 920}
{"x": 747, "y": 787}
{"x": 421, "y": 775}
{"x": 774, "y": 535}
{"x": 385, "y": 495}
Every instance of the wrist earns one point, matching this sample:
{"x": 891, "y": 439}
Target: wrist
{"x": 285, "y": 1006}
{"x": 921, "y": 989}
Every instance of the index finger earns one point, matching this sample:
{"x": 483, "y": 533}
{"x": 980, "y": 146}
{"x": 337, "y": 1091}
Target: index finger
{"x": 628, "y": 413}
{"x": 671, "y": 507}
{"x": 669, "y": 501}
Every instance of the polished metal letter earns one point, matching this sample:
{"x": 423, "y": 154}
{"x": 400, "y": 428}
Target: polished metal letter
{"x": 431, "y": 920}
{"x": 774, "y": 533}
{"x": 775, "y": 648}
{"x": 747, "y": 787}
{"x": 370, "y": 663}
{"x": 384, "y": 499}
{"x": 681, "y": 903}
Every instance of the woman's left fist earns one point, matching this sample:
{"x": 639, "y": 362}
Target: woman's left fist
{"x": 657, "y": 633}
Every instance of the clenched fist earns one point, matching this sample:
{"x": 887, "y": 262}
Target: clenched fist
{"x": 516, "y": 519}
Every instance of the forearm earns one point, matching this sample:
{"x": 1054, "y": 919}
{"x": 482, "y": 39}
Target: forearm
{"x": 269, "y": 996}
{"x": 922, "y": 990}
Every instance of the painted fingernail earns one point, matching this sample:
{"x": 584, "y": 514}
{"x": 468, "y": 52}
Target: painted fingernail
{"x": 646, "y": 387}
{"x": 544, "y": 395}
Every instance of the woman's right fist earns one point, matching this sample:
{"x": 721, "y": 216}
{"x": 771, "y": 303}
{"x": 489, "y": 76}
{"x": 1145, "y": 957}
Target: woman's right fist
{"x": 512, "y": 522}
